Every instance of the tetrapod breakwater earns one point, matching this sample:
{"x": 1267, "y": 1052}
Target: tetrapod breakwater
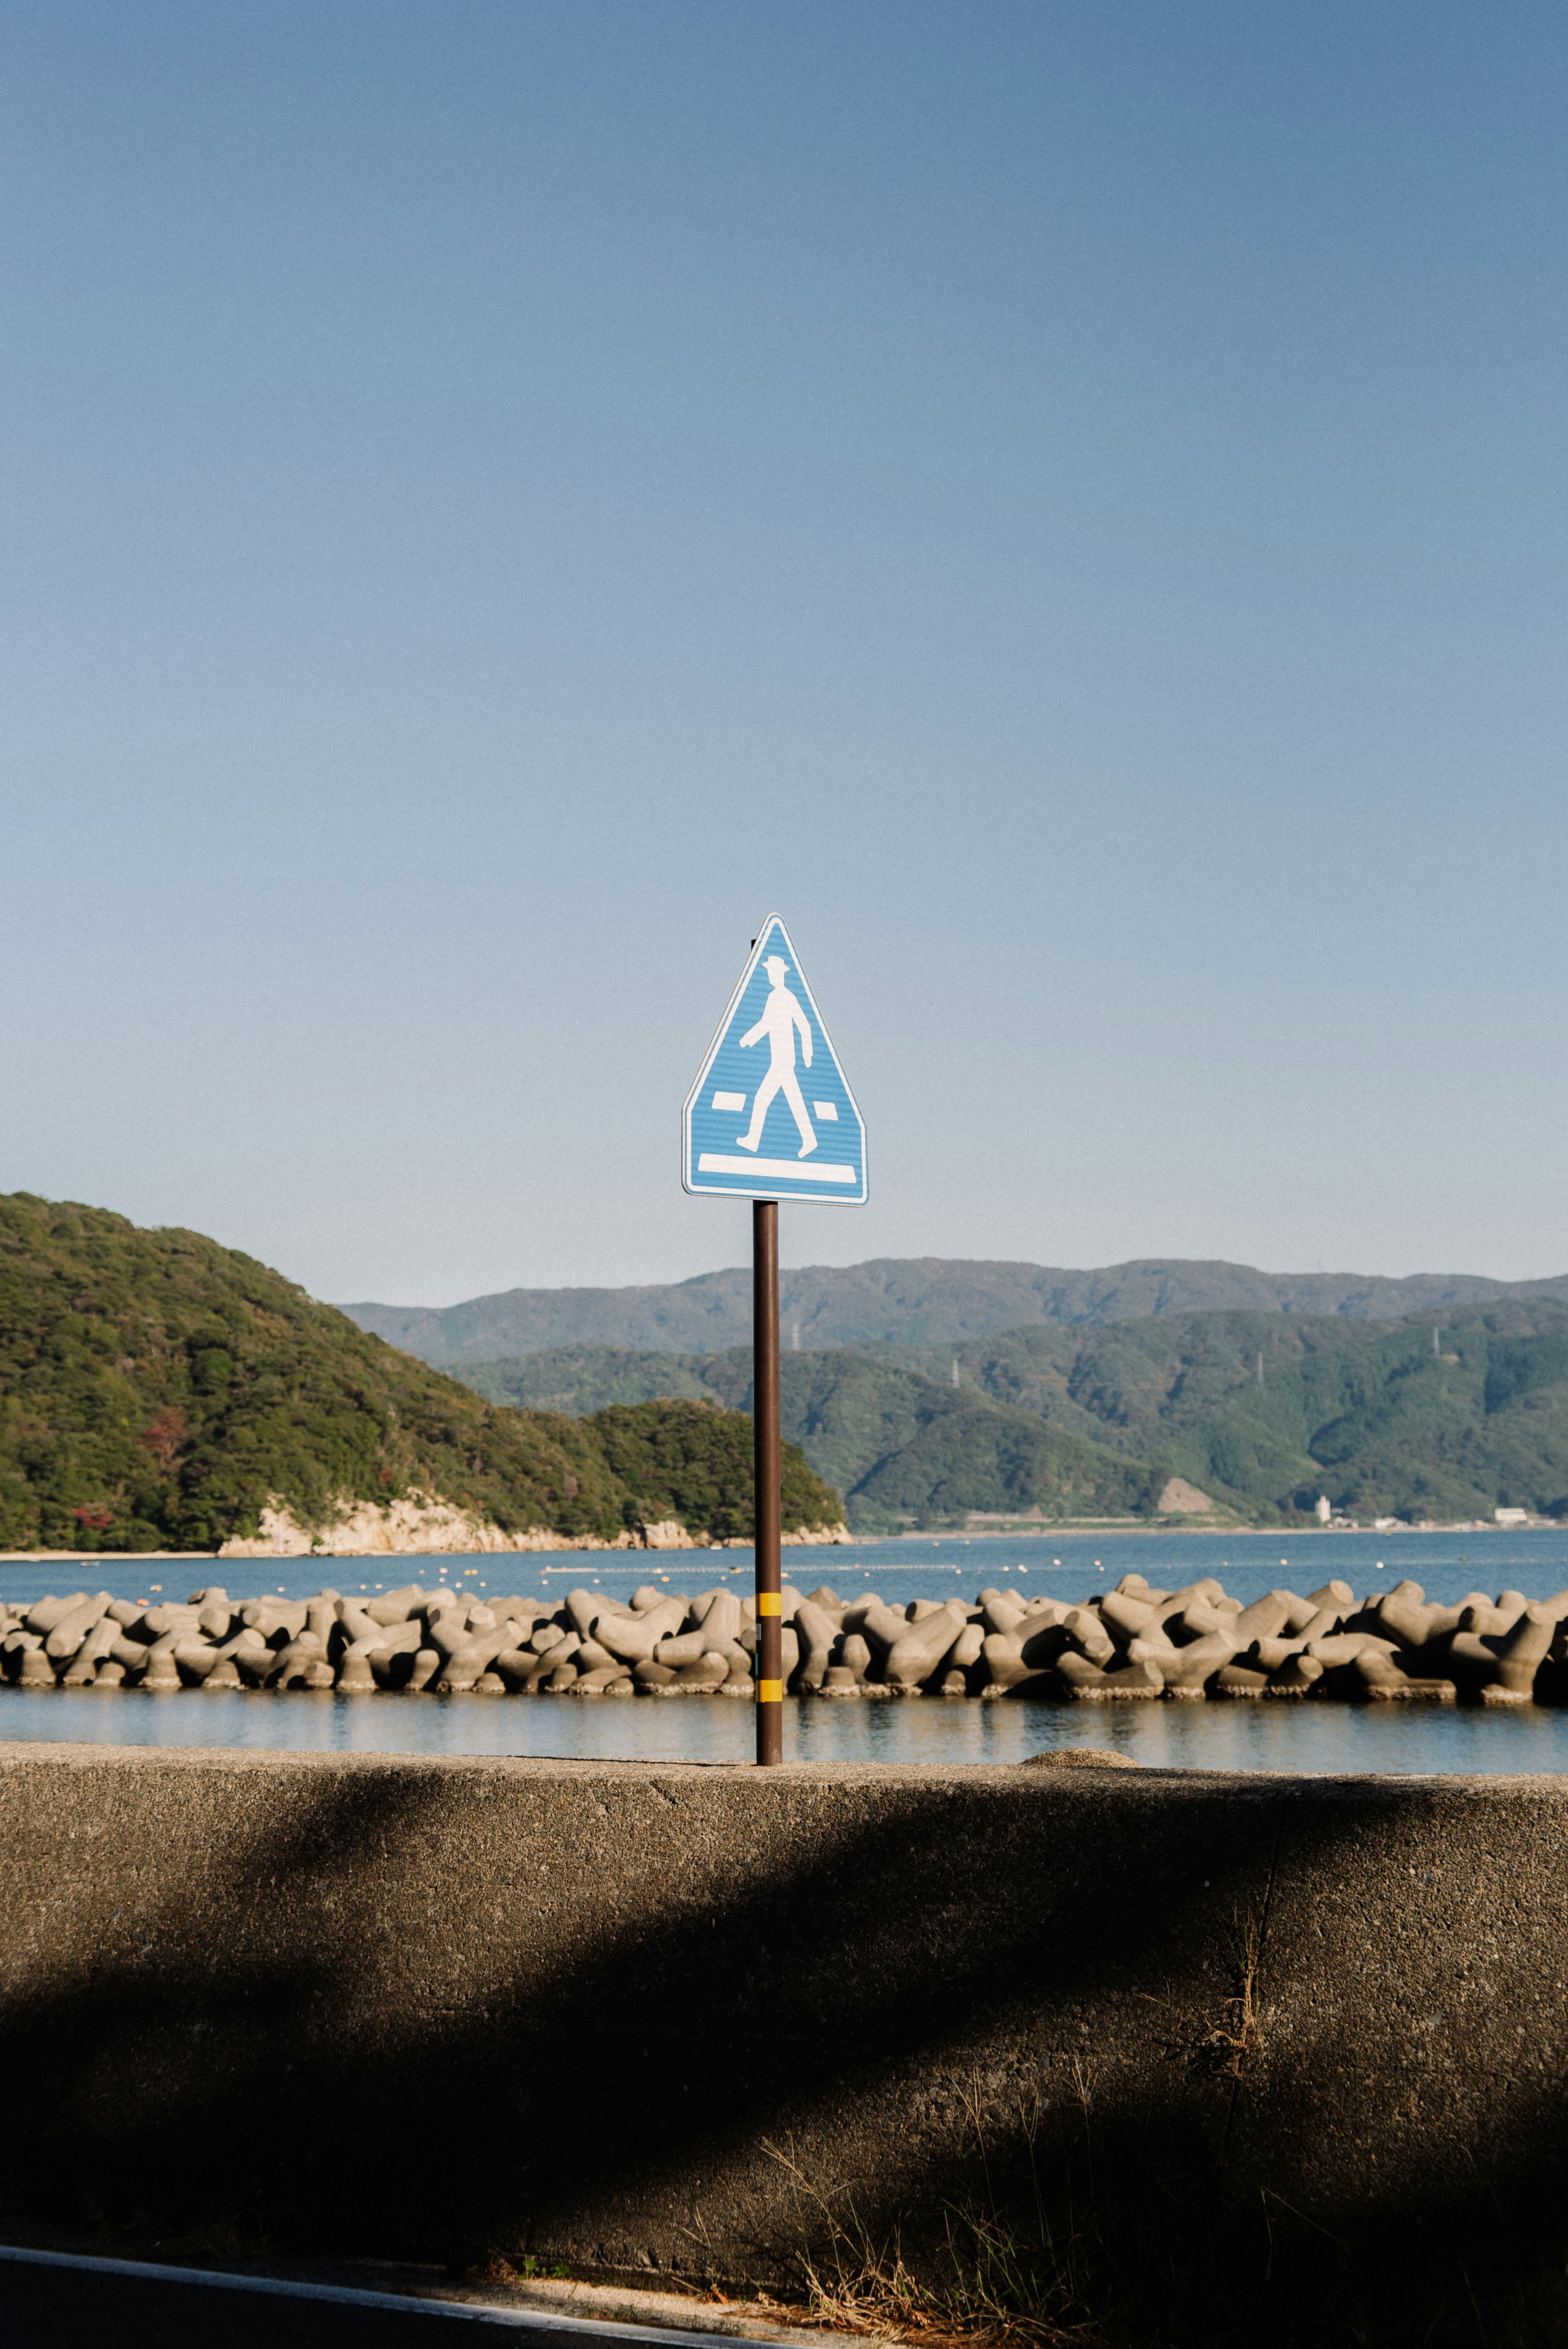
{"x": 1136, "y": 1643}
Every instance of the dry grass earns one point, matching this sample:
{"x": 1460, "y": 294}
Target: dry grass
{"x": 1237, "y": 2035}
{"x": 1001, "y": 2276}
{"x": 498, "y": 2268}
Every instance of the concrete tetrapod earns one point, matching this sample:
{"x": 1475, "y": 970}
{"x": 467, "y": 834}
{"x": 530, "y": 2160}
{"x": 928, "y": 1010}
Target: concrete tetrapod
{"x": 922, "y": 1649}
{"x": 816, "y": 1633}
{"x": 1132, "y": 1644}
{"x": 83, "y": 1666}
{"x": 73, "y": 1627}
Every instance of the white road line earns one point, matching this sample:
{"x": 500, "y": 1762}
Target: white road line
{"x": 735, "y": 1101}
{"x": 777, "y": 1170}
{"x": 828, "y": 1110}
{"x": 525, "y": 2319}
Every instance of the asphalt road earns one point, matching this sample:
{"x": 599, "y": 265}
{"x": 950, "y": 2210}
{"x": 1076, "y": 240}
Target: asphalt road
{"x": 51, "y": 2301}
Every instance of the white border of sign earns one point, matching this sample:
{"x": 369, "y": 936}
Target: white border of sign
{"x": 755, "y": 1190}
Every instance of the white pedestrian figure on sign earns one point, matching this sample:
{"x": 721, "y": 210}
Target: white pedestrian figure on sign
{"x": 781, "y": 1015}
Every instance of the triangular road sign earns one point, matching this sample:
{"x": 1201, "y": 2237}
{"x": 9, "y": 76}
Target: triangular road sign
{"x": 771, "y": 1116}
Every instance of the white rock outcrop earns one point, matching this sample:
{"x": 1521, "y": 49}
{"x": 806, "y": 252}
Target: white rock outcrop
{"x": 668, "y": 1534}
{"x": 1181, "y": 1499}
{"x": 416, "y": 1526}
{"x": 419, "y": 1527}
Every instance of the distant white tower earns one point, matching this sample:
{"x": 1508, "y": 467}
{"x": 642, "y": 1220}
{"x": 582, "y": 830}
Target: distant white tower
{"x": 1323, "y": 1512}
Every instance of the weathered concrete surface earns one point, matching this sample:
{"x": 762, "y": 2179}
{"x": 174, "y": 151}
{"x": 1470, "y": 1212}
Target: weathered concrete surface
{"x": 581, "y": 2010}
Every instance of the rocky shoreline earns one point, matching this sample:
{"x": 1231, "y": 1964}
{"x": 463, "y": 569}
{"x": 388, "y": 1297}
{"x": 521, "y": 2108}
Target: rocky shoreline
{"x": 1132, "y": 1644}
{"x": 419, "y": 1527}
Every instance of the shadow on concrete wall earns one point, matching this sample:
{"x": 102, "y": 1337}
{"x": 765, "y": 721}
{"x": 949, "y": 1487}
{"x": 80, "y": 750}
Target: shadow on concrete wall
{"x": 1174, "y": 2035}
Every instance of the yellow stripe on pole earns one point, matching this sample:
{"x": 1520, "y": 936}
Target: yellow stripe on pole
{"x": 770, "y": 1691}
{"x": 770, "y": 1602}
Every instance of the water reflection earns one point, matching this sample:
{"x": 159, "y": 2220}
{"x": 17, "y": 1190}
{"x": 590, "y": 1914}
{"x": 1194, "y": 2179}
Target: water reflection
{"x": 926, "y": 1730}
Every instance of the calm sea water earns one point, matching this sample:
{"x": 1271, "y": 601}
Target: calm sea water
{"x": 1263, "y": 1736}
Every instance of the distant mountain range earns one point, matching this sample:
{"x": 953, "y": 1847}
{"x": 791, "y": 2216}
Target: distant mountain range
{"x": 909, "y": 1301}
{"x": 1412, "y": 1418}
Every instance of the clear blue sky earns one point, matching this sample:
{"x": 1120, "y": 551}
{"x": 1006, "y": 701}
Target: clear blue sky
{"x": 1064, "y": 502}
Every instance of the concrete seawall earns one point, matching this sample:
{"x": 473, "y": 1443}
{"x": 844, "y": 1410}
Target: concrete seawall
{"x": 583, "y": 2010}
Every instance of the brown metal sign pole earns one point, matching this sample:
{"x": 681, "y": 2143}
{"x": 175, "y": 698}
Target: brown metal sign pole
{"x": 765, "y": 1412}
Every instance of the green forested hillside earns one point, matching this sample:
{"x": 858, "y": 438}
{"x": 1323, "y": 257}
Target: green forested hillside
{"x": 693, "y": 1460}
{"x": 584, "y": 1378}
{"x": 1410, "y": 1418}
{"x": 157, "y": 1390}
{"x": 1260, "y": 1410}
{"x": 903, "y": 1446}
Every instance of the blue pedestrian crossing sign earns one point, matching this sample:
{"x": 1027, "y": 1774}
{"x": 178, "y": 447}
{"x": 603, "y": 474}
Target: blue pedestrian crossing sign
{"x": 771, "y": 1116}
